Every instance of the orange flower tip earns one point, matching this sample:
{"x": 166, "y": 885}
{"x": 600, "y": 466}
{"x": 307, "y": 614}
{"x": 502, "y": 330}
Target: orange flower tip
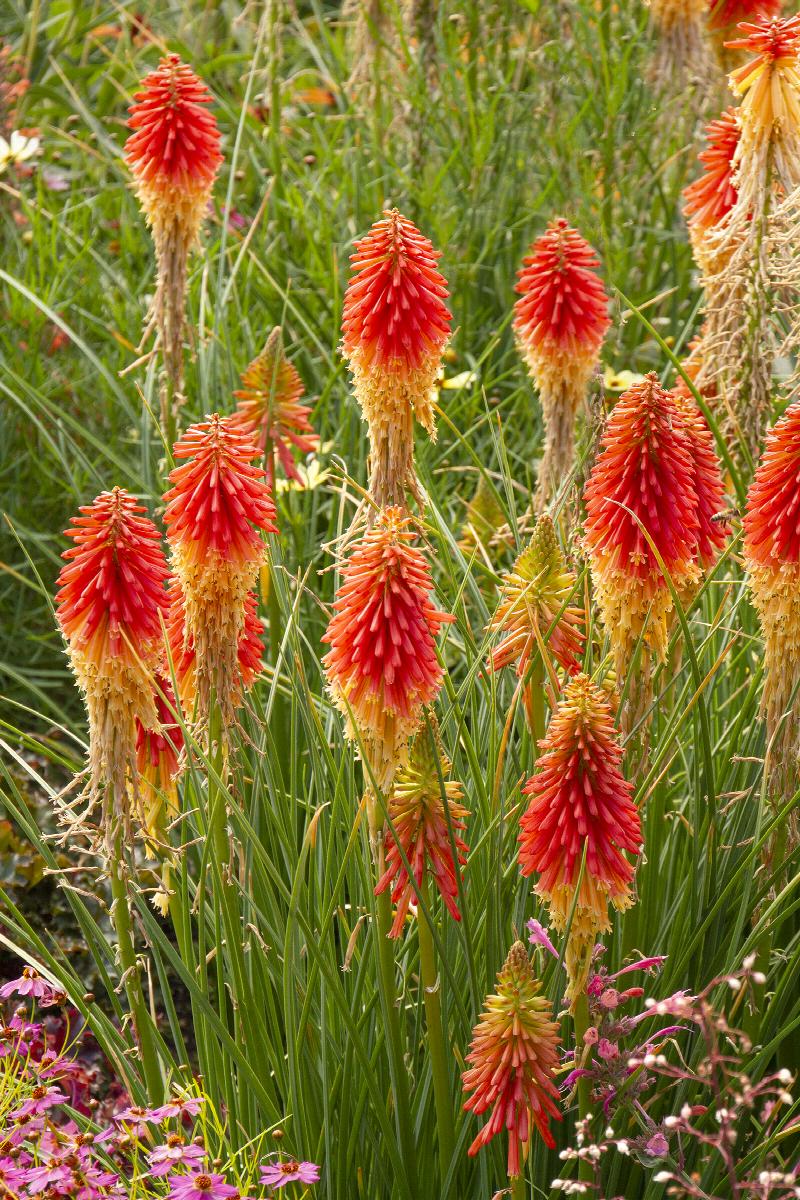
{"x": 772, "y": 514}
{"x": 269, "y": 408}
{"x": 562, "y": 313}
{"x": 712, "y": 196}
{"x": 512, "y": 1061}
{"x": 175, "y": 143}
{"x": 770, "y": 37}
{"x": 534, "y": 609}
{"x": 220, "y": 503}
{"x": 111, "y": 589}
{"x": 395, "y": 320}
{"x": 725, "y": 13}
{"x": 382, "y": 665}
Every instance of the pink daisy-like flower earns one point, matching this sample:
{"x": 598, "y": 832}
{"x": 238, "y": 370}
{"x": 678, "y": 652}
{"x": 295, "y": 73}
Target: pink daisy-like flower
{"x": 30, "y": 983}
{"x": 41, "y": 1100}
{"x": 201, "y": 1186}
{"x": 175, "y": 1151}
{"x": 278, "y": 1174}
{"x": 179, "y": 1106}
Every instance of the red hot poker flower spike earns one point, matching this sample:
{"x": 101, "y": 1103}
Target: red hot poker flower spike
{"x": 109, "y": 604}
{"x": 772, "y": 558}
{"x": 579, "y": 797}
{"x": 723, "y": 14}
{"x": 513, "y": 1058}
{"x": 395, "y": 326}
{"x": 712, "y": 196}
{"x": 269, "y": 408}
{"x": 382, "y": 666}
{"x": 422, "y": 819}
{"x": 643, "y": 476}
{"x": 217, "y": 512}
{"x": 560, "y": 319}
{"x": 174, "y": 156}
{"x": 708, "y": 481}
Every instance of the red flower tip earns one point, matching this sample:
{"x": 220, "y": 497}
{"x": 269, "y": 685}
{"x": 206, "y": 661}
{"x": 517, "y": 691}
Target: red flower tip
{"x": 725, "y": 13}
{"x": 771, "y": 38}
{"x": 111, "y": 590}
{"x": 562, "y": 313}
{"x": 395, "y": 319}
{"x": 708, "y": 481}
{"x": 175, "y": 140}
{"x": 382, "y": 665}
{"x": 219, "y": 503}
{"x": 580, "y": 798}
{"x": 269, "y": 408}
{"x": 423, "y": 820}
{"x": 712, "y": 196}
{"x": 772, "y": 515}
{"x": 513, "y": 1058}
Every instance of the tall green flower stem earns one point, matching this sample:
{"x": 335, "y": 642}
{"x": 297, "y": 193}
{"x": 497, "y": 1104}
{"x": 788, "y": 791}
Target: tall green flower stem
{"x": 389, "y": 1003}
{"x": 436, "y": 1044}
{"x": 581, "y": 1025}
{"x": 518, "y": 1187}
{"x": 131, "y": 973}
{"x": 535, "y": 699}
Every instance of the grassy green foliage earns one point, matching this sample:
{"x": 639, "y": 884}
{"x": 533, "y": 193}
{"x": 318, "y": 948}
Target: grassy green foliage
{"x": 538, "y": 110}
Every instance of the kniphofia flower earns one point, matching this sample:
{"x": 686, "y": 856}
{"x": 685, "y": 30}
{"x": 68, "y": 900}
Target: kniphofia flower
{"x": 382, "y": 666}
{"x": 423, "y": 820}
{"x": 682, "y": 54}
{"x": 560, "y": 320}
{"x": 534, "y": 609}
{"x": 643, "y": 477}
{"x": 218, "y": 510}
{"x": 174, "y": 155}
{"x": 109, "y": 606}
{"x": 483, "y": 519}
{"x": 513, "y": 1058}
{"x": 269, "y": 409}
{"x": 395, "y": 326}
{"x": 580, "y": 800}
{"x": 707, "y": 474}
{"x": 709, "y": 199}
{"x": 158, "y": 768}
{"x": 724, "y": 14}
{"x": 772, "y": 559}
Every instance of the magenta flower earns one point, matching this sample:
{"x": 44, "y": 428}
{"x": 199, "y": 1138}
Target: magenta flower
{"x": 41, "y": 1100}
{"x": 277, "y": 1175}
{"x": 538, "y": 937}
{"x": 174, "y": 1152}
{"x": 135, "y": 1119}
{"x": 179, "y": 1106}
{"x": 30, "y": 983}
{"x": 201, "y": 1186}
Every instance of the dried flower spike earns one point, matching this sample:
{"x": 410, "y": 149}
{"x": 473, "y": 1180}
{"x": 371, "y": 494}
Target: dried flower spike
{"x": 560, "y": 320}
{"x": 269, "y": 409}
{"x": 513, "y": 1058}
{"x": 772, "y": 559}
{"x": 109, "y": 606}
{"x": 643, "y": 476}
{"x": 682, "y": 54}
{"x": 580, "y": 798}
{"x": 218, "y": 510}
{"x": 174, "y": 156}
{"x": 395, "y": 326}
{"x": 534, "y": 609}
{"x": 382, "y": 666}
{"x": 423, "y": 819}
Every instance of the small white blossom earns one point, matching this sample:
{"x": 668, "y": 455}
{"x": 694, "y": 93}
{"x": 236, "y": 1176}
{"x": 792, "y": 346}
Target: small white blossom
{"x": 785, "y": 1075}
{"x": 623, "y": 1147}
{"x": 734, "y": 984}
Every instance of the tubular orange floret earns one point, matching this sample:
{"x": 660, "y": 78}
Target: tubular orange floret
{"x": 395, "y": 326}
{"x": 644, "y": 476}
{"x": 708, "y": 481}
{"x": 109, "y": 604}
{"x": 772, "y": 559}
{"x": 217, "y": 512}
{"x": 423, "y": 820}
{"x": 157, "y": 761}
{"x": 722, "y": 14}
{"x": 560, "y": 319}
{"x": 513, "y": 1058}
{"x": 713, "y": 194}
{"x": 770, "y": 85}
{"x": 174, "y": 155}
{"x": 382, "y": 666}
{"x": 580, "y": 798}
{"x": 533, "y": 608}
{"x": 269, "y": 408}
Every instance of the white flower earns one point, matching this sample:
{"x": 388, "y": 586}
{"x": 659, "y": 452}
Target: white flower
{"x": 17, "y": 149}
{"x": 623, "y": 1147}
{"x": 749, "y": 962}
{"x": 785, "y": 1075}
{"x": 734, "y": 984}
{"x": 662, "y": 1177}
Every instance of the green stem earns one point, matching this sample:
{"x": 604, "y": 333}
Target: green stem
{"x": 388, "y": 991}
{"x": 535, "y": 696}
{"x": 436, "y": 1044}
{"x": 581, "y": 1025}
{"x": 142, "y": 1021}
{"x": 518, "y": 1188}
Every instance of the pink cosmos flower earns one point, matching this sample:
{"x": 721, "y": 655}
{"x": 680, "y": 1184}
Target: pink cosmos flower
{"x": 136, "y": 1119}
{"x": 277, "y": 1175}
{"x": 201, "y": 1186}
{"x": 41, "y": 1100}
{"x": 179, "y": 1106}
{"x": 173, "y": 1152}
{"x": 30, "y": 983}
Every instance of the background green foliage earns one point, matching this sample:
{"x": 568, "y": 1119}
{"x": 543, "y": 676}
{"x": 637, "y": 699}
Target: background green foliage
{"x": 538, "y": 110}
